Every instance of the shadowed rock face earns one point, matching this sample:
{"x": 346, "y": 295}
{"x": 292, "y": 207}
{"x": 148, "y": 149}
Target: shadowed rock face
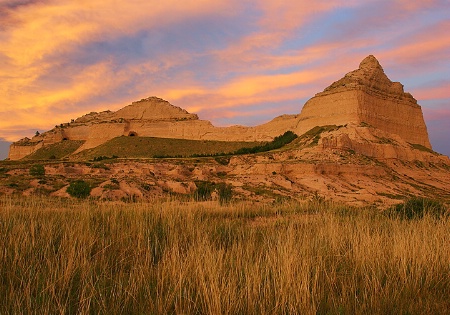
{"x": 365, "y": 96}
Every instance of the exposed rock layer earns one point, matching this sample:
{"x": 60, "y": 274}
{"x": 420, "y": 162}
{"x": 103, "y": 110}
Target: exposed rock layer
{"x": 368, "y": 96}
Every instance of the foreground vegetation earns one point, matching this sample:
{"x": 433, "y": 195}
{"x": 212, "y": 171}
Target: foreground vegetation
{"x": 65, "y": 256}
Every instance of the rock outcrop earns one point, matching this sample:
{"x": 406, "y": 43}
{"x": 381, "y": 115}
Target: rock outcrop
{"x": 365, "y": 96}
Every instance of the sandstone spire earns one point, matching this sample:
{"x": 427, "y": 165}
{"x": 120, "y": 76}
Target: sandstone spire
{"x": 370, "y": 75}
{"x": 370, "y": 63}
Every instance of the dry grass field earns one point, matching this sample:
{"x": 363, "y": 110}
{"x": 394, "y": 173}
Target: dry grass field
{"x": 173, "y": 257}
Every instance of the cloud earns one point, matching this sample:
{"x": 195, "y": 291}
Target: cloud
{"x": 40, "y": 75}
{"x": 439, "y": 91}
{"x": 42, "y": 32}
{"x": 223, "y": 59}
{"x": 440, "y": 113}
{"x": 429, "y": 45}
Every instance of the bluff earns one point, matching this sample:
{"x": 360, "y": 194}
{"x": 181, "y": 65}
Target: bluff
{"x": 365, "y": 96}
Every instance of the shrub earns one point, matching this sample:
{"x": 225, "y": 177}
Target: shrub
{"x": 204, "y": 190}
{"x": 416, "y": 208}
{"x": 276, "y": 143}
{"x": 225, "y": 192}
{"x": 224, "y": 160}
{"x": 37, "y": 170}
{"x": 79, "y": 189}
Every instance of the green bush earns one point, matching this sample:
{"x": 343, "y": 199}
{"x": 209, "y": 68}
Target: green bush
{"x": 276, "y": 143}
{"x": 37, "y": 170}
{"x": 79, "y": 189}
{"x": 416, "y": 208}
{"x": 104, "y": 157}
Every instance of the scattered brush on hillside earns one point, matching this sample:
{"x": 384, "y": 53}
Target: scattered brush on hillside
{"x": 81, "y": 257}
{"x": 422, "y": 148}
{"x": 312, "y": 136}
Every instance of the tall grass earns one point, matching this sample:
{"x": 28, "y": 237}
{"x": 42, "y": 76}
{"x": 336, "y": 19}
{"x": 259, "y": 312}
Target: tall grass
{"x": 78, "y": 257}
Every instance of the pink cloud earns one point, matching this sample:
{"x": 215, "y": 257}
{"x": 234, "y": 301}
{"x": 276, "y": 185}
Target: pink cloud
{"x": 439, "y": 114}
{"x": 441, "y": 91}
{"x": 428, "y": 45}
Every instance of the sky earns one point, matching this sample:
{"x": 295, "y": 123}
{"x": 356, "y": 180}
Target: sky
{"x": 230, "y": 61}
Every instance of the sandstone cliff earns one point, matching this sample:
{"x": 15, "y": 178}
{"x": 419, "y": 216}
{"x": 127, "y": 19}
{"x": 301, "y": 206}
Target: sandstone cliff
{"x": 364, "y": 96}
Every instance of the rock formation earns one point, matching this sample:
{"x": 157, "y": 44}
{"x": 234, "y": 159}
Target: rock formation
{"x": 364, "y": 96}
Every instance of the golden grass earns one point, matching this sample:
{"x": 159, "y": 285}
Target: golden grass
{"x": 64, "y": 256}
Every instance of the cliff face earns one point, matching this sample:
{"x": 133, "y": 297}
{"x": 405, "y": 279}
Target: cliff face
{"x": 364, "y": 96}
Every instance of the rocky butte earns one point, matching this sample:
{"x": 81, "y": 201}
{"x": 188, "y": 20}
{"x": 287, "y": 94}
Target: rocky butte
{"x": 365, "y": 95}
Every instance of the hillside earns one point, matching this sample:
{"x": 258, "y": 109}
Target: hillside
{"x": 354, "y": 164}
{"x": 149, "y": 147}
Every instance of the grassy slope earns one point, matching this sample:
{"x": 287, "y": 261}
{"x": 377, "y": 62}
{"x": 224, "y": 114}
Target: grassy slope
{"x": 56, "y": 151}
{"x": 147, "y": 147}
{"x": 138, "y": 147}
{"x": 164, "y": 258}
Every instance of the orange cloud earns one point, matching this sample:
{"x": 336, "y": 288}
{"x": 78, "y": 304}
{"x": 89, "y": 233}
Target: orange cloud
{"x": 46, "y": 28}
{"x": 42, "y": 30}
{"x": 35, "y": 36}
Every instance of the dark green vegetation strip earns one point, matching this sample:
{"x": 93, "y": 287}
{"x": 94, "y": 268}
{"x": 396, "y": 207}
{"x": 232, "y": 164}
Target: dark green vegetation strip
{"x": 147, "y": 147}
{"x": 276, "y": 143}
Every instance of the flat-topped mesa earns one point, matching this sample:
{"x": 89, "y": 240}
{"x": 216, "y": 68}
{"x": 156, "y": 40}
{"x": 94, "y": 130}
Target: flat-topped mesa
{"x": 367, "y": 95}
